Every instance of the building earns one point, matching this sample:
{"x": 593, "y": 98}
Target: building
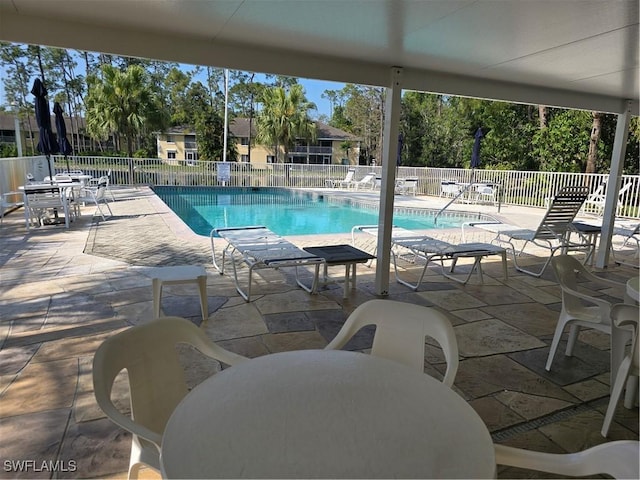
{"x": 332, "y": 146}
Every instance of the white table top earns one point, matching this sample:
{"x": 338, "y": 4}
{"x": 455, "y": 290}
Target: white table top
{"x": 331, "y": 414}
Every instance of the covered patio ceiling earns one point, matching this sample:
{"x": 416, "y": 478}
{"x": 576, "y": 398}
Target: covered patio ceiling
{"x": 568, "y": 53}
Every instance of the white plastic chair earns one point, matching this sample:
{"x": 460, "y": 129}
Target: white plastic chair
{"x": 156, "y": 379}
{"x": 624, "y": 316}
{"x": 401, "y": 329}
{"x": 574, "y": 313}
{"x": 617, "y": 459}
{"x": 95, "y": 195}
{"x": 9, "y": 200}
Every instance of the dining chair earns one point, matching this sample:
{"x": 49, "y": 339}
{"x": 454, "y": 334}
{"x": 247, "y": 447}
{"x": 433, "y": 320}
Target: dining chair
{"x": 401, "y": 330}
{"x": 617, "y": 459}
{"x": 574, "y": 312}
{"x": 156, "y": 379}
{"x": 624, "y": 316}
{"x": 95, "y": 195}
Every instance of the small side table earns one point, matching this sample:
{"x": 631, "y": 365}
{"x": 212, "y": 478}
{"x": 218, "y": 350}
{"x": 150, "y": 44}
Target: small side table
{"x": 341, "y": 255}
{"x": 177, "y": 275}
{"x": 592, "y": 232}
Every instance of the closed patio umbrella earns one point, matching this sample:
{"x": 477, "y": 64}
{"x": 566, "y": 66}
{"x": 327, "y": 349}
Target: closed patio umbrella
{"x": 475, "y": 154}
{"x": 47, "y": 143}
{"x": 61, "y": 128}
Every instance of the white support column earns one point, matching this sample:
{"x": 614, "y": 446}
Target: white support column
{"x": 613, "y": 185}
{"x": 387, "y": 188}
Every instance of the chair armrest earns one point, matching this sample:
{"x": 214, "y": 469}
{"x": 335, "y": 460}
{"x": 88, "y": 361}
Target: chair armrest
{"x": 124, "y": 421}
{"x": 603, "y": 305}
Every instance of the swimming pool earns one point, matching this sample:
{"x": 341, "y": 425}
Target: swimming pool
{"x": 286, "y": 211}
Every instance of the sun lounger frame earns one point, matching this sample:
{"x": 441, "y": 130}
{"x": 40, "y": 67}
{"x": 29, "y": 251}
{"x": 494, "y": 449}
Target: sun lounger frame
{"x": 260, "y": 248}
{"x": 433, "y": 250}
{"x": 553, "y": 233}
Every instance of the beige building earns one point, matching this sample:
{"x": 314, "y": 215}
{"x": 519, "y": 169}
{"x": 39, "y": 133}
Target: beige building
{"x": 332, "y": 146}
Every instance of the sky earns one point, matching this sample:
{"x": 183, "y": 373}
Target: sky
{"x": 313, "y": 90}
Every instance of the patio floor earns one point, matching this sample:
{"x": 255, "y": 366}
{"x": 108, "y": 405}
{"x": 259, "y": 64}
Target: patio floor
{"x": 62, "y": 292}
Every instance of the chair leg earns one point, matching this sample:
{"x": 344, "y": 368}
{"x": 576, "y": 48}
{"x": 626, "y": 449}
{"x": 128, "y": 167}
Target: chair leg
{"x": 157, "y": 294}
{"x": 202, "y": 286}
{"x": 574, "y": 330}
{"x": 554, "y": 343}
{"x": 621, "y": 378}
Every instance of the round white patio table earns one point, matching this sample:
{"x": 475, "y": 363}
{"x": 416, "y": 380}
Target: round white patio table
{"x": 325, "y": 414}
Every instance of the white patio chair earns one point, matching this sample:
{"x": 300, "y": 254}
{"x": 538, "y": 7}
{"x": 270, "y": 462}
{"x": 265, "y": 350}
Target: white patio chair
{"x": 407, "y": 186}
{"x": 624, "y": 316}
{"x": 95, "y": 195}
{"x": 9, "y": 200}
{"x": 574, "y": 312}
{"x": 401, "y": 329}
{"x": 156, "y": 380}
{"x": 595, "y": 202}
{"x": 104, "y": 179}
{"x": 617, "y": 459}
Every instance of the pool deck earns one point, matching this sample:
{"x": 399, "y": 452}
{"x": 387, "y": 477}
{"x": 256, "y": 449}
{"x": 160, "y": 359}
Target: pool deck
{"x": 62, "y": 292}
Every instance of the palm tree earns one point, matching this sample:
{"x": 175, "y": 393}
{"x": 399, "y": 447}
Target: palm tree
{"x": 122, "y": 103}
{"x": 284, "y": 118}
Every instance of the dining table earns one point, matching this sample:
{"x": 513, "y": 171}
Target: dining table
{"x": 52, "y": 188}
{"x": 325, "y": 414}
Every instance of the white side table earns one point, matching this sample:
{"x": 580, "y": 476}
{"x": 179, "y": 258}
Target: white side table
{"x": 177, "y": 275}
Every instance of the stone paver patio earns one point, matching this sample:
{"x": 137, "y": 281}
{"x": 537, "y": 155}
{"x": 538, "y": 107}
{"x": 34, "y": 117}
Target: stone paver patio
{"x": 62, "y": 292}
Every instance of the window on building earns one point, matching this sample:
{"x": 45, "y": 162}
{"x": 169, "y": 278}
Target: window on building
{"x": 171, "y": 154}
{"x": 271, "y": 159}
{"x": 170, "y": 139}
{"x": 244, "y": 140}
{"x": 244, "y": 158}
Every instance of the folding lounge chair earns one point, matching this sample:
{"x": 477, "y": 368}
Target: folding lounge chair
{"x": 368, "y": 181}
{"x": 348, "y": 178}
{"x": 629, "y": 232}
{"x": 432, "y": 250}
{"x": 553, "y": 233}
{"x": 259, "y": 248}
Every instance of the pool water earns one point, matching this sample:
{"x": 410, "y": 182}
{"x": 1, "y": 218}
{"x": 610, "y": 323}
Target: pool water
{"x": 283, "y": 211}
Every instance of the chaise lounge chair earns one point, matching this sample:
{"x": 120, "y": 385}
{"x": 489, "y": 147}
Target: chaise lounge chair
{"x": 348, "y": 178}
{"x": 431, "y": 250}
{"x": 368, "y": 181}
{"x": 553, "y": 232}
{"x": 259, "y": 248}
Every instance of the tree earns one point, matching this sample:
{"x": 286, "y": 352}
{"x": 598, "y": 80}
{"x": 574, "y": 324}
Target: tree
{"x": 285, "y": 118}
{"x": 122, "y": 103}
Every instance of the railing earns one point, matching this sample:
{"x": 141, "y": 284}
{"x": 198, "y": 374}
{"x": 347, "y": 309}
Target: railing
{"x": 525, "y": 188}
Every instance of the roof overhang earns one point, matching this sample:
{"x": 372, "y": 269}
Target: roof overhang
{"x": 559, "y": 53}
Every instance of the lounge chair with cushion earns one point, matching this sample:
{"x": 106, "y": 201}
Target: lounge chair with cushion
{"x": 553, "y": 232}
{"x": 260, "y": 248}
{"x": 431, "y": 250}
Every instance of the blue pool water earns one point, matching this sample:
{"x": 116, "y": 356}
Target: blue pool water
{"x": 283, "y": 211}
